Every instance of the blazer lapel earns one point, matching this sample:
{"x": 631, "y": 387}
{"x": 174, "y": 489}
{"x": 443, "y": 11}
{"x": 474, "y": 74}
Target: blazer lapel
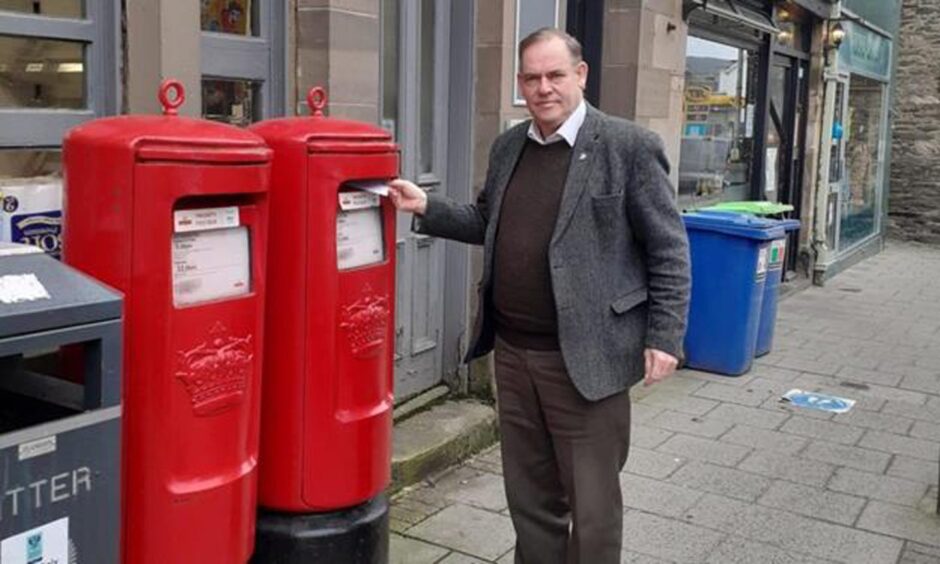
{"x": 505, "y": 164}
{"x": 579, "y": 170}
{"x": 504, "y": 169}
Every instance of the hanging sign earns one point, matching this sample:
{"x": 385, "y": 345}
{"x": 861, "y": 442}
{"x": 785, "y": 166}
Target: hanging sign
{"x": 865, "y": 52}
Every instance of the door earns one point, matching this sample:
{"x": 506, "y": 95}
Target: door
{"x": 860, "y": 191}
{"x": 785, "y": 139}
{"x": 837, "y": 107}
{"x": 415, "y": 98}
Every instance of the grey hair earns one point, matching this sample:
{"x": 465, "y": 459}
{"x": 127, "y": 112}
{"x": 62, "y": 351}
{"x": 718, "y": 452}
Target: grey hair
{"x": 547, "y": 33}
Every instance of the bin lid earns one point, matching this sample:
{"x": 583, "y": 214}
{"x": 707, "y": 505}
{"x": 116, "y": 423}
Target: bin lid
{"x": 321, "y": 134}
{"x": 735, "y": 224}
{"x": 787, "y": 224}
{"x": 39, "y": 293}
{"x": 753, "y": 208}
{"x": 171, "y": 137}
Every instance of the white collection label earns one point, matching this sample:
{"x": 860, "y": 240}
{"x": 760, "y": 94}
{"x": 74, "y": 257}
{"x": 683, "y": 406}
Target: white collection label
{"x": 39, "y": 447}
{"x": 18, "y": 288}
{"x": 48, "y": 544}
{"x": 210, "y": 265}
{"x": 359, "y": 238}
{"x": 185, "y": 221}
{"x": 349, "y": 201}
{"x": 762, "y": 262}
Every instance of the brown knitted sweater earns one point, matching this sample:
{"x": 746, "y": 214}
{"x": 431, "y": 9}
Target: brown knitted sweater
{"x": 522, "y": 286}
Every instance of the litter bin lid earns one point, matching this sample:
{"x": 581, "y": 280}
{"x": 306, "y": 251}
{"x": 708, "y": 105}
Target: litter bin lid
{"x": 789, "y": 224}
{"x": 753, "y": 208}
{"x": 39, "y": 293}
{"x": 786, "y": 224}
{"x": 735, "y": 224}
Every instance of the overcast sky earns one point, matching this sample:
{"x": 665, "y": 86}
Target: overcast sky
{"x": 703, "y": 48}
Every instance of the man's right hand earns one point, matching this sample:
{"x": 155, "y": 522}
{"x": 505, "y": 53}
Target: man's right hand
{"x": 407, "y": 197}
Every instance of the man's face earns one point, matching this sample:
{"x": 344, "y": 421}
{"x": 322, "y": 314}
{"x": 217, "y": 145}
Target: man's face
{"x": 551, "y": 83}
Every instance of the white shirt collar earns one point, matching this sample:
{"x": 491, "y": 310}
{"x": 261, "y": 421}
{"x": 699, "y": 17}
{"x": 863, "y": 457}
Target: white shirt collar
{"x": 567, "y": 132}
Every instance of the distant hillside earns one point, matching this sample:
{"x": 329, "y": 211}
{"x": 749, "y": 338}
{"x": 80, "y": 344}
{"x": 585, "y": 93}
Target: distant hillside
{"x": 706, "y": 66}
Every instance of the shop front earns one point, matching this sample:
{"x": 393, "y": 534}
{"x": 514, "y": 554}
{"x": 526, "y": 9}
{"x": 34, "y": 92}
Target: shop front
{"x": 745, "y": 116}
{"x": 856, "y": 134}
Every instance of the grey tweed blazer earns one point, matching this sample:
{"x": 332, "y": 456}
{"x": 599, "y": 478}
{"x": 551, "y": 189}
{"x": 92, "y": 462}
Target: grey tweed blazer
{"x": 618, "y": 255}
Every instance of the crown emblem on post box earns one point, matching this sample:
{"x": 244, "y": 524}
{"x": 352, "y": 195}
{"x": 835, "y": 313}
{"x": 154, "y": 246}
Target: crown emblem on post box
{"x": 366, "y": 322}
{"x": 216, "y": 372}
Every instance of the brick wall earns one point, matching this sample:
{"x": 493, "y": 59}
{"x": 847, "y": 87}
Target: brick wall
{"x": 914, "y": 201}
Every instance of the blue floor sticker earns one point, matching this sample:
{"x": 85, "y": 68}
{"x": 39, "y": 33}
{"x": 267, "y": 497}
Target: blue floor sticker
{"x": 822, "y": 402}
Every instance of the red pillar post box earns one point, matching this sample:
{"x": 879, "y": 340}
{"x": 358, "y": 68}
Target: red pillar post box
{"x": 172, "y": 212}
{"x": 327, "y": 401}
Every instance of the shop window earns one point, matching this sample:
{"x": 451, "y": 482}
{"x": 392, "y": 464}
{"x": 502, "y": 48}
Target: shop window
{"x": 236, "y": 17}
{"x": 231, "y": 101}
{"x": 41, "y": 73}
{"x": 50, "y": 8}
{"x": 243, "y": 60}
{"x": 27, "y": 163}
{"x": 58, "y": 68}
{"x": 836, "y": 163}
{"x": 532, "y": 15}
{"x": 774, "y": 152}
{"x": 718, "y": 126}
{"x": 863, "y": 132}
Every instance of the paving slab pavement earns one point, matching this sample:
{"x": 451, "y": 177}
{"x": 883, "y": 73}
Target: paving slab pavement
{"x": 722, "y": 471}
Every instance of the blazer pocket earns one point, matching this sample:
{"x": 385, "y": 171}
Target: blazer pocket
{"x": 629, "y": 301}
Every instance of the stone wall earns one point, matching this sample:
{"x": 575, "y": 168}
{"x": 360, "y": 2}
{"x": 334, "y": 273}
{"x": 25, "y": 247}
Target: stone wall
{"x": 338, "y": 48}
{"x": 914, "y": 200}
{"x": 643, "y": 64}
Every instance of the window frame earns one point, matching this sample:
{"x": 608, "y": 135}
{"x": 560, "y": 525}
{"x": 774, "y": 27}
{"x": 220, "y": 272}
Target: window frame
{"x": 258, "y": 58}
{"x": 408, "y": 129}
{"x": 517, "y": 99}
{"x": 758, "y": 124}
{"x": 99, "y": 32}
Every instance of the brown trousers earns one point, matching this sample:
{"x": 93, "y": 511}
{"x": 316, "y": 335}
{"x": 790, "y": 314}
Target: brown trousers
{"x": 562, "y": 457}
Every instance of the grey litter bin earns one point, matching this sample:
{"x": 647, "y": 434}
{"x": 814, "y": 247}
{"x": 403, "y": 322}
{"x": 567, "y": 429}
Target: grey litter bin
{"x": 60, "y": 412}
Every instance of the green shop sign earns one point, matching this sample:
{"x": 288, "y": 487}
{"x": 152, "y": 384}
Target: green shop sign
{"x": 865, "y": 52}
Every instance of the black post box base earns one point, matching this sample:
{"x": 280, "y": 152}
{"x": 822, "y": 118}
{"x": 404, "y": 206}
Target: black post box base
{"x": 358, "y": 535}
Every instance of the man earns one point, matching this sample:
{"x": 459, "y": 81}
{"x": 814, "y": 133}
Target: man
{"x": 584, "y": 291}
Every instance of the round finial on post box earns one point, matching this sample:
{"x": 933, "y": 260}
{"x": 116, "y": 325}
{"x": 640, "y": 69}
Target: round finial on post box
{"x": 171, "y": 105}
{"x": 316, "y": 101}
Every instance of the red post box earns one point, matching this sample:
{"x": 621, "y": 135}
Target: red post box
{"x": 327, "y": 401}
{"x": 172, "y": 212}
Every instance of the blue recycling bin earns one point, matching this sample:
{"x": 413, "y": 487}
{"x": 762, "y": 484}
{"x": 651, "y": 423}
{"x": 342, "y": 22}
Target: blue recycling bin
{"x": 775, "y": 262}
{"x": 730, "y": 254}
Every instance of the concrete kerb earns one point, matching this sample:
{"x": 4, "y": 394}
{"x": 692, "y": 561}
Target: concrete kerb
{"x": 438, "y": 438}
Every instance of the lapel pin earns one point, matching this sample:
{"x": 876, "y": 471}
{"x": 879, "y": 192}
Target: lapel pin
{"x": 582, "y": 156}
